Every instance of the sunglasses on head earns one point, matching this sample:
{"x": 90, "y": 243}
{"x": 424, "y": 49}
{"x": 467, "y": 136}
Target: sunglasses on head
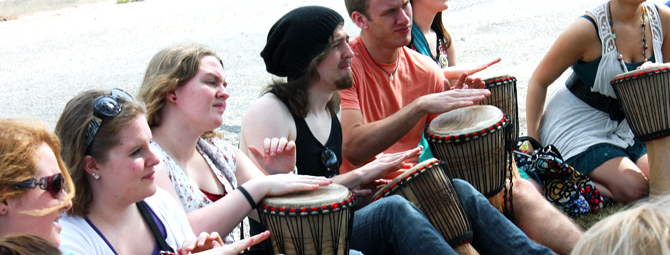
{"x": 53, "y": 184}
{"x": 105, "y": 107}
{"x": 329, "y": 160}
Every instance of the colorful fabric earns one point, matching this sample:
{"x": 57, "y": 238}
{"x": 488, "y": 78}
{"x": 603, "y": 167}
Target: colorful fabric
{"x": 220, "y": 157}
{"x": 572, "y": 125}
{"x": 378, "y": 98}
{"x": 573, "y": 193}
{"x": 420, "y": 45}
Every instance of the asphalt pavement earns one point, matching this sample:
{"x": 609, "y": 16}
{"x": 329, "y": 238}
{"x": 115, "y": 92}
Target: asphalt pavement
{"x": 50, "y": 56}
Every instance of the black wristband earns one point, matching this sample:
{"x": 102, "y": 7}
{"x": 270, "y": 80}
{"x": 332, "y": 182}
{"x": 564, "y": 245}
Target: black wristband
{"x": 248, "y": 196}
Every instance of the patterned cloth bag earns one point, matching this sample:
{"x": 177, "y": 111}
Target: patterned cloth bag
{"x": 572, "y": 192}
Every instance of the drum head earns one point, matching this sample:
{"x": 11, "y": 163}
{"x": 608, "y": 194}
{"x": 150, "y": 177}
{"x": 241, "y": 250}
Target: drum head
{"x": 465, "y": 120}
{"x": 324, "y": 195}
{"x": 640, "y": 71}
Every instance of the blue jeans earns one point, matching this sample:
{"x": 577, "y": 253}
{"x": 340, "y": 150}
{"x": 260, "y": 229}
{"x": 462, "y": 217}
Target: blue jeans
{"x": 393, "y": 225}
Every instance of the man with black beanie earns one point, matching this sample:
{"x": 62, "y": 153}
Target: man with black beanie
{"x": 296, "y": 121}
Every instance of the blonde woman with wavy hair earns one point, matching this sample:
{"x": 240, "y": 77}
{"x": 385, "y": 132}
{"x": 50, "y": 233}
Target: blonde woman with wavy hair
{"x": 644, "y": 228}
{"x": 184, "y": 89}
{"x": 106, "y": 145}
{"x": 35, "y": 186}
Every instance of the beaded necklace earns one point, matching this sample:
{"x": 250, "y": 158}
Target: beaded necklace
{"x": 380, "y": 67}
{"x": 644, "y": 36}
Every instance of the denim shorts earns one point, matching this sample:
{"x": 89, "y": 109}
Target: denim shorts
{"x": 598, "y": 154}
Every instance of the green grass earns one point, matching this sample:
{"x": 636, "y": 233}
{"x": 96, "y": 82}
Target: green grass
{"x": 586, "y": 221}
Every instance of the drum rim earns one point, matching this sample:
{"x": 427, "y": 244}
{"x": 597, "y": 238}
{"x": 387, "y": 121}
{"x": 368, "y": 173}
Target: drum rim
{"x": 639, "y": 74}
{"x": 408, "y": 177}
{"x": 499, "y": 81}
{"x": 463, "y": 138}
{"x": 351, "y": 201}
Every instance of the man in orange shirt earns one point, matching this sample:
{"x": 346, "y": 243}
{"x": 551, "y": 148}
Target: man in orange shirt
{"x": 396, "y": 91}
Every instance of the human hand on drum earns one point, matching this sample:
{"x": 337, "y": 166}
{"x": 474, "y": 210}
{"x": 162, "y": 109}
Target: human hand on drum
{"x": 237, "y": 247}
{"x": 205, "y": 241}
{"x": 648, "y": 64}
{"x": 453, "y": 73}
{"x": 464, "y": 81}
{"x": 385, "y": 163}
{"x": 280, "y": 184}
{"x": 278, "y": 155}
{"x": 442, "y": 102}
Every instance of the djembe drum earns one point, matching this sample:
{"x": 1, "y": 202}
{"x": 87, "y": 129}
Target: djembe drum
{"x": 644, "y": 96}
{"x": 310, "y": 222}
{"x": 504, "y": 96}
{"x": 473, "y": 142}
{"x": 429, "y": 187}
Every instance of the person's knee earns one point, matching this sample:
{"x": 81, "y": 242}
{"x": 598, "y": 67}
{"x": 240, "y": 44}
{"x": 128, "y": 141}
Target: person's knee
{"x": 396, "y": 205}
{"x": 464, "y": 189}
{"x": 633, "y": 189}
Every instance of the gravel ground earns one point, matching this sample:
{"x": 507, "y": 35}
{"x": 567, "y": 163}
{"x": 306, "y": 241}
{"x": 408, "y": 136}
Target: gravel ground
{"x": 48, "y": 57}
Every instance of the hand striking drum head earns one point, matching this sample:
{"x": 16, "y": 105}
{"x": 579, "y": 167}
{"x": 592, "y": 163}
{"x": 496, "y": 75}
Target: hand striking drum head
{"x": 472, "y": 142}
{"x": 310, "y": 222}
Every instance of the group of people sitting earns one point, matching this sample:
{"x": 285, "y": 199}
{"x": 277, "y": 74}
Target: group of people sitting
{"x": 144, "y": 174}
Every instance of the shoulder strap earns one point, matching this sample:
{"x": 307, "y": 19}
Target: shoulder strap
{"x": 154, "y": 228}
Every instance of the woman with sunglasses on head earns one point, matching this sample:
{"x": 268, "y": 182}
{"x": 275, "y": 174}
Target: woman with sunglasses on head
{"x": 117, "y": 208}
{"x": 184, "y": 89}
{"x": 35, "y": 187}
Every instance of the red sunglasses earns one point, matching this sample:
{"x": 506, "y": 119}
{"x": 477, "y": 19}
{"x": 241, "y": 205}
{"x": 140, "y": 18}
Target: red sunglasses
{"x": 53, "y": 184}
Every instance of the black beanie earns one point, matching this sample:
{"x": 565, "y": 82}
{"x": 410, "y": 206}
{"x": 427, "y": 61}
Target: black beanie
{"x": 297, "y": 38}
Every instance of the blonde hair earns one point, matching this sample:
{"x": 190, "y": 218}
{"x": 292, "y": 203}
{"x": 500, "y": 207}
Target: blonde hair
{"x": 19, "y": 142}
{"x": 72, "y": 127}
{"x": 169, "y": 69}
{"x": 24, "y": 244}
{"x": 643, "y": 228}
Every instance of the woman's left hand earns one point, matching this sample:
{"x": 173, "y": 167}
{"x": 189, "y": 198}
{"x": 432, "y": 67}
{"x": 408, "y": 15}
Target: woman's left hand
{"x": 278, "y": 155}
{"x": 204, "y": 242}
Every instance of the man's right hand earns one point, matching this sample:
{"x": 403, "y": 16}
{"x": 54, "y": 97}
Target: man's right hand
{"x": 442, "y": 102}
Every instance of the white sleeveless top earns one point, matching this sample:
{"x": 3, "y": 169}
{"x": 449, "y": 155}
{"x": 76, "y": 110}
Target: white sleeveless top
{"x": 220, "y": 157}
{"x": 572, "y": 125}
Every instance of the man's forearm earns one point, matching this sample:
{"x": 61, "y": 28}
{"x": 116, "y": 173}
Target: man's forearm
{"x": 363, "y": 142}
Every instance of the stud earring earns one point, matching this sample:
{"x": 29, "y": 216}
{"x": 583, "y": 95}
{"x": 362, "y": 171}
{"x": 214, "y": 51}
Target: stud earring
{"x": 365, "y": 27}
{"x": 4, "y": 210}
{"x": 95, "y": 175}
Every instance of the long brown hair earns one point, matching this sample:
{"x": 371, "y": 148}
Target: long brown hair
{"x": 24, "y": 244}
{"x": 72, "y": 127}
{"x": 294, "y": 93}
{"x": 169, "y": 69}
{"x": 439, "y": 27}
{"x": 19, "y": 142}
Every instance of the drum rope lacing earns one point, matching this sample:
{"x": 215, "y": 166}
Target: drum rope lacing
{"x": 650, "y": 134}
{"x": 458, "y": 234}
{"x": 332, "y": 213}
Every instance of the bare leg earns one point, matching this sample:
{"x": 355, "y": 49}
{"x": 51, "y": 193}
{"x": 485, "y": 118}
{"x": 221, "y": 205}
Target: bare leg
{"x": 624, "y": 179}
{"x": 541, "y": 221}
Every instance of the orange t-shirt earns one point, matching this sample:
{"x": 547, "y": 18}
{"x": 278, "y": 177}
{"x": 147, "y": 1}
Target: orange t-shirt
{"x": 378, "y": 98}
